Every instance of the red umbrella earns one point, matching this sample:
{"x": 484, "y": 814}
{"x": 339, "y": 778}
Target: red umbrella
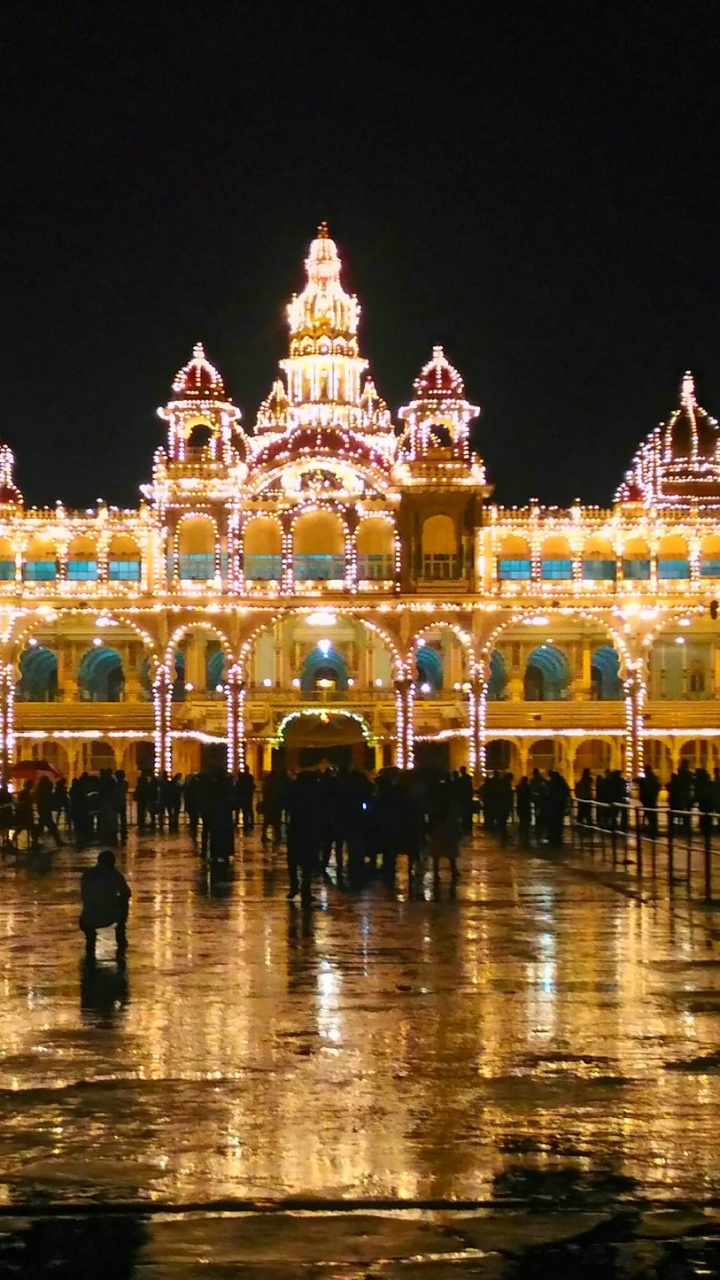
{"x": 33, "y": 769}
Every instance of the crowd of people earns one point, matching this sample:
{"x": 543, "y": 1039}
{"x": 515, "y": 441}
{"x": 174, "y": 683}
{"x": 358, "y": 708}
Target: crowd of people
{"x": 360, "y": 824}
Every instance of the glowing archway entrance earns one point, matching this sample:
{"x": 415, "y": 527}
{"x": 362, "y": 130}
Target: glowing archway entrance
{"x": 307, "y": 737}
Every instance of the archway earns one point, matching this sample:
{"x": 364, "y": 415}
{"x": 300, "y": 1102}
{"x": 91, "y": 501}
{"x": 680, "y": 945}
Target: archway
{"x": 710, "y": 556}
{"x": 38, "y": 675}
{"x": 41, "y": 560}
{"x": 324, "y": 669}
{"x": 543, "y": 755}
{"x": 123, "y": 559}
{"x": 440, "y": 558}
{"x": 7, "y": 561}
{"x": 319, "y": 547}
{"x": 547, "y": 675}
{"x": 636, "y": 560}
{"x": 101, "y": 677}
{"x": 215, "y": 668}
{"x": 598, "y": 562}
{"x": 49, "y": 750}
{"x": 605, "y": 674}
{"x": 497, "y": 682}
{"x": 196, "y": 543}
{"x": 429, "y": 668}
{"x": 556, "y": 560}
{"x": 514, "y": 559}
{"x": 262, "y": 550}
{"x": 594, "y": 754}
{"x": 308, "y": 739}
{"x": 673, "y": 558}
{"x": 503, "y": 756}
{"x": 375, "y": 543}
{"x": 82, "y": 565}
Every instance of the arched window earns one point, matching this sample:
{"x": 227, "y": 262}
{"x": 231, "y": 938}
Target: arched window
{"x": 319, "y": 547}
{"x": 214, "y": 666}
{"x": 196, "y": 547}
{"x": 429, "y": 667}
{"x": 376, "y": 550}
{"x": 123, "y": 559}
{"x": 673, "y": 558}
{"x": 547, "y": 675}
{"x": 556, "y": 560}
{"x": 101, "y": 677}
{"x": 598, "y": 562}
{"x": 324, "y": 669}
{"x": 710, "y": 557}
{"x": 497, "y": 683}
{"x": 38, "y": 675}
{"x": 41, "y": 561}
{"x": 636, "y": 560}
{"x": 7, "y": 561}
{"x": 440, "y": 557}
{"x": 262, "y": 550}
{"x": 82, "y": 560}
{"x": 605, "y": 674}
{"x": 514, "y": 560}
{"x": 199, "y": 437}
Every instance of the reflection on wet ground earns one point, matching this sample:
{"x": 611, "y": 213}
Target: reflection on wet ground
{"x": 540, "y": 1044}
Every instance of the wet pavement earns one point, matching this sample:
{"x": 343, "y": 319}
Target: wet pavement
{"x": 532, "y": 1066}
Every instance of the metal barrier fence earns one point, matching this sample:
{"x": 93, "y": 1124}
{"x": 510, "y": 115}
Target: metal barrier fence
{"x": 632, "y": 833}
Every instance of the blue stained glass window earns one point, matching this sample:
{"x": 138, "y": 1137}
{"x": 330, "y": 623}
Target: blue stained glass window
{"x": 514, "y": 569}
{"x": 40, "y": 570}
{"x": 7, "y": 570}
{"x": 636, "y": 570}
{"x": 197, "y": 568}
{"x": 557, "y": 569}
{"x": 318, "y": 568}
{"x": 673, "y": 569}
{"x": 82, "y": 570}
{"x": 263, "y": 568}
{"x": 124, "y": 570}
{"x": 599, "y": 570}
{"x": 710, "y": 568}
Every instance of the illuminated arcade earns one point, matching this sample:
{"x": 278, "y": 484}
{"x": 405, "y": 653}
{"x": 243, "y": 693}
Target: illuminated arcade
{"x": 338, "y": 583}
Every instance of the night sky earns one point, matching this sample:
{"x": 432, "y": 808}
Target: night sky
{"x": 534, "y": 186}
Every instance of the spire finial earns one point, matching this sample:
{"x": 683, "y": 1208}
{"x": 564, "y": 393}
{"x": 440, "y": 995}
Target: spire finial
{"x": 438, "y": 354}
{"x": 198, "y": 351}
{"x": 323, "y": 233}
{"x": 687, "y": 391}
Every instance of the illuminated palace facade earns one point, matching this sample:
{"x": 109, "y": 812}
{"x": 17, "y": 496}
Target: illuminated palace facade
{"x": 336, "y": 583}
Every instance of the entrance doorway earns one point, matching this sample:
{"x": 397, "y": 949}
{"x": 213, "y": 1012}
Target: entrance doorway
{"x": 309, "y": 739}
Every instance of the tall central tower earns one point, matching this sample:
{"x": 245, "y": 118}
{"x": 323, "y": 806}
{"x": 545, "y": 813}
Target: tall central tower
{"x": 324, "y": 369}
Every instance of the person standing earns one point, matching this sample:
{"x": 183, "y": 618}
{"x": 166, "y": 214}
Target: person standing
{"x": 44, "y": 802}
{"x": 105, "y": 900}
{"x": 121, "y": 794}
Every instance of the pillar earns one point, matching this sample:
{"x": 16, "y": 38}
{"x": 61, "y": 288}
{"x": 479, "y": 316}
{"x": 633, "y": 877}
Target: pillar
{"x": 7, "y": 734}
{"x": 477, "y": 709}
{"x": 288, "y": 571}
{"x": 634, "y": 703}
{"x": 404, "y": 730}
{"x": 162, "y": 696}
{"x": 235, "y": 693}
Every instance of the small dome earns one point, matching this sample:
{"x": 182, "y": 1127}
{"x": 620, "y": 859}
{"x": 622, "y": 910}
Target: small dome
{"x": 198, "y": 380}
{"x": 10, "y": 495}
{"x": 438, "y": 379}
{"x": 690, "y": 431}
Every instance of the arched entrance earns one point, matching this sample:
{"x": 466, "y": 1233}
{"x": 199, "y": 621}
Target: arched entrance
{"x": 311, "y": 737}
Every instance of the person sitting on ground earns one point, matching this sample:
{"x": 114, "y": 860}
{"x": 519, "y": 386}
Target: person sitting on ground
{"x": 105, "y": 900}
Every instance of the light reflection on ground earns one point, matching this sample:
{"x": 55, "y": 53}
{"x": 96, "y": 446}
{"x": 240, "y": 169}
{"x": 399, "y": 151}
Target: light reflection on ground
{"x": 539, "y": 1038}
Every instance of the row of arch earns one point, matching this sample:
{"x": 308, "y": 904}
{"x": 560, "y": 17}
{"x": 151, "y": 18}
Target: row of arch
{"x": 599, "y": 558}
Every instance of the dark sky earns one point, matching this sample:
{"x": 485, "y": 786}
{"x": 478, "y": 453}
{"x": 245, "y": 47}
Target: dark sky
{"x": 533, "y": 185}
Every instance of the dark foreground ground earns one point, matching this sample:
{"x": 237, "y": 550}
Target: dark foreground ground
{"x": 520, "y": 1081}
